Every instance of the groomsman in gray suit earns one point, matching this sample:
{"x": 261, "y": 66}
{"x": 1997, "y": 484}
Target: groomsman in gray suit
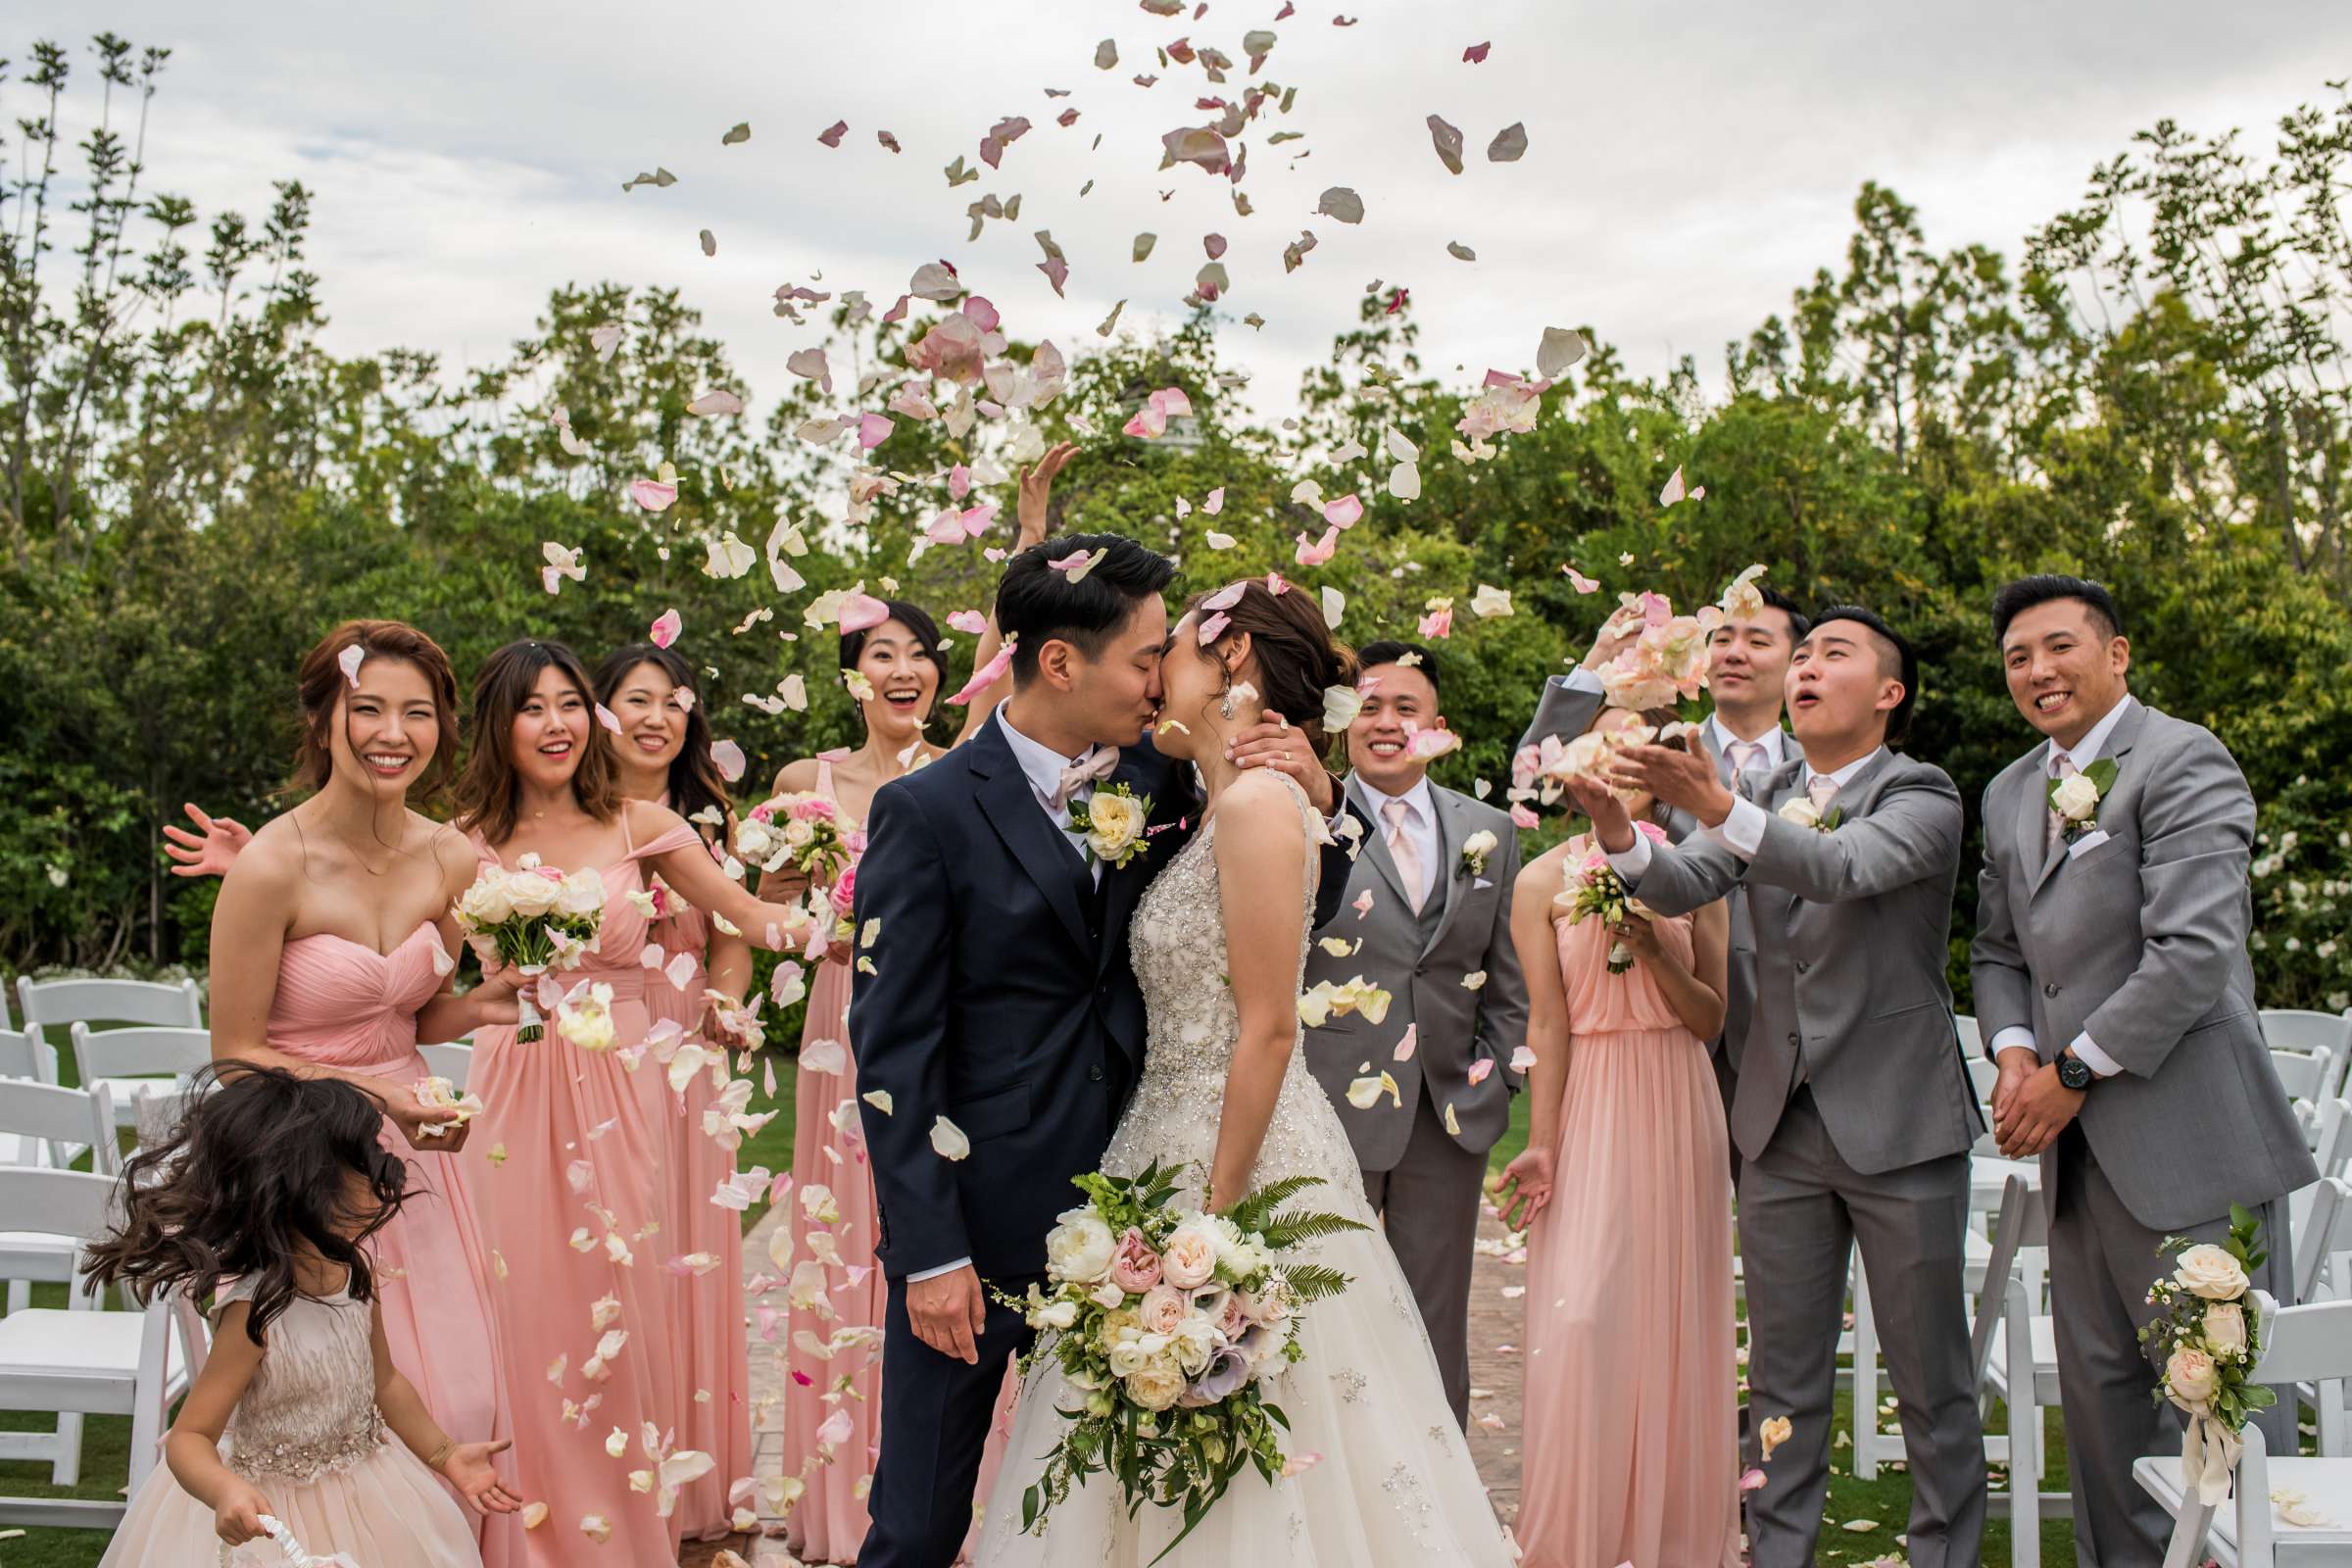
{"x": 2114, "y": 991}
{"x": 1747, "y": 666}
{"x": 1854, "y": 1113}
{"x": 1428, "y": 906}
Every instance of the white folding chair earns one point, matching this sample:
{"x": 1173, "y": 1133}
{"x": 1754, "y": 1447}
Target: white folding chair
{"x": 452, "y": 1061}
{"x": 2310, "y": 1344}
{"x": 2319, "y": 1034}
{"x": 2305, "y": 1076}
{"x": 44, "y": 1120}
{"x": 2016, "y": 1355}
{"x": 2332, "y": 1151}
{"x": 25, "y": 1057}
{"x": 82, "y": 1360}
{"x": 157, "y": 1059}
{"x": 56, "y": 1002}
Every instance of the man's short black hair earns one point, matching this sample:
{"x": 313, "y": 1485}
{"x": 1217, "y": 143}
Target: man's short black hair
{"x": 1799, "y": 622}
{"x": 1390, "y": 650}
{"x": 1899, "y": 721}
{"x": 1034, "y": 603}
{"x": 2015, "y": 598}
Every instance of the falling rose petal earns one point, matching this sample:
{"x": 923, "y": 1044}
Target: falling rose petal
{"x": 1479, "y": 1070}
{"x": 1448, "y": 142}
{"x": 1459, "y": 251}
{"x": 710, "y": 242}
{"x": 1226, "y": 597}
{"x": 887, "y": 140}
{"x": 1141, "y": 249}
{"x": 1343, "y": 512}
{"x": 949, "y": 1142}
{"x": 1340, "y": 705}
{"x": 1579, "y": 581}
{"x": 1219, "y": 541}
{"x": 1435, "y": 743}
{"x": 608, "y": 718}
{"x": 1751, "y": 1481}
{"x": 1214, "y": 627}
{"x": 605, "y": 339}
{"x": 860, "y": 612}
{"x": 1334, "y": 605}
{"x": 1316, "y": 553}
{"x": 1107, "y": 54}
{"x": 1343, "y": 204}
{"x": 1299, "y": 1463}
{"x": 679, "y": 972}
{"x": 1275, "y": 584}
{"x": 1215, "y": 502}
{"x": 1078, "y": 563}
{"x": 809, "y": 365}
{"x": 873, "y": 429}
{"x": 1364, "y": 906}
{"x": 985, "y": 676}
{"x": 666, "y": 628}
{"x": 652, "y": 495}
{"x": 970, "y": 621}
{"x": 1674, "y": 491}
{"x": 1508, "y": 146}
{"x": 1058, "y": 272}
{"x": 1112, "y": 320}
{"x": 1406, "y": 1047}
{"x": 1476, "y": 53}
{"x": 831, "y": 135}
{"x": 1522, "y": 817}
{"x": 350, "y": 658}
{"x": 1404, "y": 481}
{"x": 741, "y": 133}
{"x": 981, "y": 314}
{"x": 1522, "y": 1059}
{"x": 728, "y": 757}
{"x": 1491, "y": 602}
{"x": 1561, "y": 347}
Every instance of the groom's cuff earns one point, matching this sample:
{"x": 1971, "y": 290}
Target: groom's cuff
{"x": 2017, "y": 1035}
{"x": 920, "y": 1275}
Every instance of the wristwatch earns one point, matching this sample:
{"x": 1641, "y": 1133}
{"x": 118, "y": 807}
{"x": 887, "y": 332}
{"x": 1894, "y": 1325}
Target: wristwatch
{"x": 2075, "y": 1073}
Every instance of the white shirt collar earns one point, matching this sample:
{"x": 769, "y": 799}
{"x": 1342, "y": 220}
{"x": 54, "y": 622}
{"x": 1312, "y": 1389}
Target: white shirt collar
{"x": 1774, "y": 741}
{"x": 2086, "y": 751}
{"x": 1417, "y": 798}
{"x": 1039, "y": 764}
{"x": 1844, "y": 775}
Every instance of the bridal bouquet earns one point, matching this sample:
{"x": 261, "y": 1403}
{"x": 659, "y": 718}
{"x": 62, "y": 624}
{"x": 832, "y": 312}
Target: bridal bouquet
{"x": 533, "y": 919}
{"x": 1594, "y": 889}
{"x": 803, "y": 831}
{"x": 1170, "y": 1321}
{"x": 2209, "y": 1335}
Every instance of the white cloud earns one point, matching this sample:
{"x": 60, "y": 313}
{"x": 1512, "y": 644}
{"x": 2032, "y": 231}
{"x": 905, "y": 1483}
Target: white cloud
{"x": 1688, "y": 164}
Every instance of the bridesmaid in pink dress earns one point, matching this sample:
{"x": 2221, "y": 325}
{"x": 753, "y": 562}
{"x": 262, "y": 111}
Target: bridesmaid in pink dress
{"x": 663, "y": 754}
{"x": 569, "y": 1154}
{"x": 331, "y": 938}
{"x": 1630, "y": 1443}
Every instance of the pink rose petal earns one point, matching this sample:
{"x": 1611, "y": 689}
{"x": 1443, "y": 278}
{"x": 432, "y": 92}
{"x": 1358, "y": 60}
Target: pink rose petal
{"x": 728, "y": 757}
{"x": 607, "y": 717}
{"x": 831, "y": 135}
{"x": 652, "y": 495}
{"x": 1476, "y": 53}
{"x": 350, "y": 660}
{"x": 1579, "y": 581}
{"x": 666, "y": 628}
{"x": 1522, "y": 817}
{"x": 959, "y": 482}
{"x": 1215, "y": 502}
{"x": 1405, "y": 1046}
{"x": 1320, "y": 551}
{"x": 860, "y": 612}
{"x": 1480, "y": 1068}
{"x": 1226, "y": 597}
{"x": 985, "y": 676}
{"x": 967, "y": 620}
{"x": 1344, "y": 512}
{"x": 873, "y": 429}
{"x": 1214, "y": 627}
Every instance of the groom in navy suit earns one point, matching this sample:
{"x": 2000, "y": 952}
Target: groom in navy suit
{"x": 1002, "y": 1003}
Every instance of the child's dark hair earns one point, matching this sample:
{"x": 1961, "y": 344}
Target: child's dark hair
{"x": 253, "y": 1170}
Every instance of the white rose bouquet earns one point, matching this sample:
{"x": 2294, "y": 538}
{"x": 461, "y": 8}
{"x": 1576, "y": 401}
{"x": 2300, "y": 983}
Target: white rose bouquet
{"x": 1167, "y": 1322}
{"x": 2076, "y": 797}
{"x": 2209, "y": 1336}
{"x": 533, "y": 920}
{"x": 803, "y": 830}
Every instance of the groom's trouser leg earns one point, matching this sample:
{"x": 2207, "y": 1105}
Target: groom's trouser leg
{"x": 1795, "y": 1237}
{"x": 1429, "y": 1210}
{"x": 935, "y": 1415}
{"x": 1910, "y": 1224}
{"x": 2102, "y": 1262}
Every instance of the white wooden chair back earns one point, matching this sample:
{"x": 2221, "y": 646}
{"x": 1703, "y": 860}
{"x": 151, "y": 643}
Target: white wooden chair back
{"x": 151, "y": 1001}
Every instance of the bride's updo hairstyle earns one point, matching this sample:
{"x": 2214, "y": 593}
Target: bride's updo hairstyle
{"x": 1295, "y": 653}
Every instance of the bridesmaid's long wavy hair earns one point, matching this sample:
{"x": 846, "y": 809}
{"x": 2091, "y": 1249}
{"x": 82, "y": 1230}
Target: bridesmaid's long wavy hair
{"x": 695, "y": 784}
{"x": 490, "y": 791}
{"x": 321, "y": 684}
{"x": 257, "y": 1171}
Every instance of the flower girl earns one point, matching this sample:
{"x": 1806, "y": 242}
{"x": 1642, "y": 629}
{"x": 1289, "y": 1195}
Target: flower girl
{"x": 260, "y": 1201}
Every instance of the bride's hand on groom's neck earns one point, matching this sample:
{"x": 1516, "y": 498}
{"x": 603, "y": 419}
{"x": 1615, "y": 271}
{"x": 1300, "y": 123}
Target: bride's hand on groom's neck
{"x": 1273, "y": 743}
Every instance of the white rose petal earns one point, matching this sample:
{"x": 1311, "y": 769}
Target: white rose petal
{"x": 948, "y": 1140}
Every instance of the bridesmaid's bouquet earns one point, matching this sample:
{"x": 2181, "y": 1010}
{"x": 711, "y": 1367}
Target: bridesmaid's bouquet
{"x": 533, "y": 920}
{"x": 2207, "y": 1333}
{"x": 803, "y": 830}
{"x": 1594, "y": 889}
{"x": 1170, "y": 1321}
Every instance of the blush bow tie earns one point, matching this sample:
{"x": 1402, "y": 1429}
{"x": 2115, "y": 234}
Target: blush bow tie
{"x": 1093, "y": 766}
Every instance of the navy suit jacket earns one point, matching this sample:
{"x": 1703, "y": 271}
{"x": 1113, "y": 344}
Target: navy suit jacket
{"x": 1002, "y": 998}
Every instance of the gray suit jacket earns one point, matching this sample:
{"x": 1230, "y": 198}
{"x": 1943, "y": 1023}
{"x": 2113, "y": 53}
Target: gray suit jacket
{"x": 1453, "y": 1027}
{"x": 1851, "y": 931}
{"x": 2141, "y": 940}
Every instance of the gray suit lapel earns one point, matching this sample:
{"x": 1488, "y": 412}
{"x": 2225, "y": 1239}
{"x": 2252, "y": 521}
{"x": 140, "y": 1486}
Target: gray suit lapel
{"x": 1449, "y": 882}
{"x": 2038, "y": 849}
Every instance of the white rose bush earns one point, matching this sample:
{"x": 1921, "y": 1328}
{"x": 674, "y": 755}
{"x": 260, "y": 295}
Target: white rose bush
{"x": 532, "y": 919}
{"x": 1168, "y": 1324}
{"x": 2208, "y": 1334}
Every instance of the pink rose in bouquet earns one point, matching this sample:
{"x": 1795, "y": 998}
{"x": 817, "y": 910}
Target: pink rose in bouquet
{"x": 1135, "y": 1266}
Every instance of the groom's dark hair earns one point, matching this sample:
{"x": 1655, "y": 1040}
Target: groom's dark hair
{"x": 1036, "y": 603}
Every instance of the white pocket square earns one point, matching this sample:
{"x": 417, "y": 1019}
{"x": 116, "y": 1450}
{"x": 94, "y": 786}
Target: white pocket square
{"x": 2089, "y": 841}
{"x": 1477, "y": 882}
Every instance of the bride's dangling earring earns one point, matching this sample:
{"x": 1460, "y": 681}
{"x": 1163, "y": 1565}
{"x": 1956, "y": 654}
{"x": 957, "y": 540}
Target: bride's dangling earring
{"x": 1225, "y": 703}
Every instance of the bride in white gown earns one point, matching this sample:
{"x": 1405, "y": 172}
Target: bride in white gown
{"x": 1219, "y": 943}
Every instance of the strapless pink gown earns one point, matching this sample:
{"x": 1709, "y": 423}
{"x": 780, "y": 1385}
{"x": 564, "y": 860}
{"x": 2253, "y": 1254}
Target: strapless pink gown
{"x": 1630, "y": 1401}
{"x": 710, "y": 1344}
{"x": 343, "y": 1004}
{"x": 573, "y": 1143}
{"x": 829, "y": 1523}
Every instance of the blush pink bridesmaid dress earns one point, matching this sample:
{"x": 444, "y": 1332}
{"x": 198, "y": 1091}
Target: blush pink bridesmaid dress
{"x": 839, "y": 1400}
{"x": 572, "y": 1161}
{"x": 710, "y": 1344}
{"x": 343, "y": 1004}
{"x": 1630, "y": 1399}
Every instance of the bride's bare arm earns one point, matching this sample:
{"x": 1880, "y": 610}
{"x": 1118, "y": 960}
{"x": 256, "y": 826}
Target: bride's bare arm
{"x": 1261, "y": 869}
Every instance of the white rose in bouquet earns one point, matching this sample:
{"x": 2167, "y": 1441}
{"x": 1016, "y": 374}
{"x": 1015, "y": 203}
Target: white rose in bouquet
{"x": 1801, "y": 810}
{"x": 582, "y": 893}
{"x": 1158, "y": 1386}
{"x": 534, "y": 892}
{"x": 487, "y": 902}
{"x": 2211, "y": 1272}
{"x": 2076, "y": 798}
{"x": 1113, "y": 821}
{"x": 2225, "y": 1328}
{"x": 2191, "y": 1377}
{"x": 797, "y": 834}
{"x": 1079, "y": 1247}
{"x": 1191, "y": 1257}
{"x": 757, "y": 842}
{"x": 1194, "y": 1342}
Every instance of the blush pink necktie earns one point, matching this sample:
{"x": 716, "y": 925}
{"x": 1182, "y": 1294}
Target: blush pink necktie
{"x": 1744, "y": 755}
{"x": 1821, "y": 789}
{"x": 2062, "y": 766}
{"x": 1402, "y": 851}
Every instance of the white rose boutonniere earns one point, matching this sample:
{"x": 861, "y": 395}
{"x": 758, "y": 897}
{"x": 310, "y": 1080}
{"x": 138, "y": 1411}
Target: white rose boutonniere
{"x": 1110, "y": 823}
{"x": 1804, "y": 814}
{"x": 1475, "y": 850}
{"x": 2076, "y": 797}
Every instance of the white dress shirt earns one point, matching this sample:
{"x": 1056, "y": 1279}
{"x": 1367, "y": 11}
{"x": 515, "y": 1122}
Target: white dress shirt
{"x": 2082, "y": 754}
{"x": 1772, "y": 747}
{"x": 1420, "y": 827}
{"x": 1741, "y": 832}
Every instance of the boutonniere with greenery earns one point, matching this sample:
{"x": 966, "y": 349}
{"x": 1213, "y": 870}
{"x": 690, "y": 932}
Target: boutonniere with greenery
{"x": 1803, "y": 813}
{"x": 1475, "y": 850}
{"x": 2076, "y": 797}
{"x": 1110, "y": 825}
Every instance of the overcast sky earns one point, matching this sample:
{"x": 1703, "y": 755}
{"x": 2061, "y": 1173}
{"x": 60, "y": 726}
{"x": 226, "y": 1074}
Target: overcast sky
{"x": 1688, "y": 163}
